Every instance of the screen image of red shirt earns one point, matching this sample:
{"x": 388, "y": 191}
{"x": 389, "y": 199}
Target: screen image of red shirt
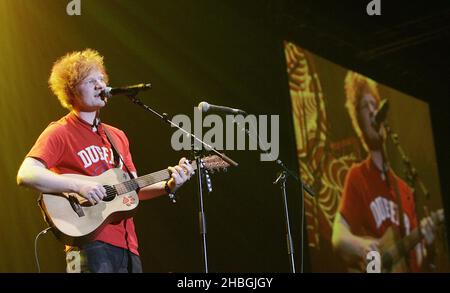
{"x": 70, "y": 146}
{"x": 369, "y": 203}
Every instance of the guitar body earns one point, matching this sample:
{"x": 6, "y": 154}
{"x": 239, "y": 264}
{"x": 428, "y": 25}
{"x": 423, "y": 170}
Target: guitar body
{"x": 75, "y": 220}
{"x": 394, "y": 249}
{"x": 396, "y": 263}
{"x": 391, "y": 260}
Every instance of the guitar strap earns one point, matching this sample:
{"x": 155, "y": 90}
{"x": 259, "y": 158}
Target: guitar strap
{"x": 400, "y": 245}
{"x": 117, "y": 155}
{"x": 117, "y": 159}
{"x": 394, "y": 183}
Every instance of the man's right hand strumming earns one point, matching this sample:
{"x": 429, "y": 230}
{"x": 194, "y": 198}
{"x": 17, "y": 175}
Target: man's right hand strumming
{"x": 94, "y": 192}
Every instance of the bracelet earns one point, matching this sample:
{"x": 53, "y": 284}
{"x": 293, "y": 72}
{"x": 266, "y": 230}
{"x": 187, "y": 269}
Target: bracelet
{"x": 170, "y": 193}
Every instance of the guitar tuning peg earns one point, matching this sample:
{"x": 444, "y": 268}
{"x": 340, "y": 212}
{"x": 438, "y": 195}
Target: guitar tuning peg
{"x": 208, "y": 181}
{"x": 209, "y": 187}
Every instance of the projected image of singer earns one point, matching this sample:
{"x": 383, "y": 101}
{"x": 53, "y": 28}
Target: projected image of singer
{"x": 374, "y": 197}
{"x": 79, "y": 144}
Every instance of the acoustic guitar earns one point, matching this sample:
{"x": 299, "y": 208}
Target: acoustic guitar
{"x": 395, "y": 249}
{"x": 76, "y": 221}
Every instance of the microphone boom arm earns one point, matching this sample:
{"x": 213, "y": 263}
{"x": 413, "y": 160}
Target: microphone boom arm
{"x": 165, "y": 118}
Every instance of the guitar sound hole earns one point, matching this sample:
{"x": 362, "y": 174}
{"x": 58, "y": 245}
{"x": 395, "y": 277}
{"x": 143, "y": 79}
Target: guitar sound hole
{"x": 111, "y": 193}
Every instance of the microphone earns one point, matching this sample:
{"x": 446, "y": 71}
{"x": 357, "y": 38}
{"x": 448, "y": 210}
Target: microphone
{"x": 108, "y": 92}
{"x": 205, "y": 108}
{"x": 381, "y": 114}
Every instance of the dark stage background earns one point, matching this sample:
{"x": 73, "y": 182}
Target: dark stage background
{"x": 224, "y": 52}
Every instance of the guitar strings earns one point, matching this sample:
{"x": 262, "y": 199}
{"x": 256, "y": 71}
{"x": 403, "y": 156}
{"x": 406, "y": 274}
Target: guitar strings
{"x": 133, "y": 184}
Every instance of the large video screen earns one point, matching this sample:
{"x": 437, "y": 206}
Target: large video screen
{"x": 367, "y": 151}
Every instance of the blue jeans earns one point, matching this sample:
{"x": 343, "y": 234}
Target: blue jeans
{"x": 101, "y": 257}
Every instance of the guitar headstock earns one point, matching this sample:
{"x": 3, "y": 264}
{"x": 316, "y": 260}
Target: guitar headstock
{"x": 214, "y": 163}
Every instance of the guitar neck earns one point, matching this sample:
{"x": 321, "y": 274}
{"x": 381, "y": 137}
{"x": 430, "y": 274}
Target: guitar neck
{"x": 411, "y": 240}
{"x": 145, "y": 180}
{"x": 416, "y": 236}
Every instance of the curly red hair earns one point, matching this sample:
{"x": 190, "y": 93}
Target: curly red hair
{"x": 356, "y": 86}
{"x": 70, "y": 70}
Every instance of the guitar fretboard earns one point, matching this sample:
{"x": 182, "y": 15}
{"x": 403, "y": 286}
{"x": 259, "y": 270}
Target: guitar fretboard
{"x": 402, "y": 247}
{"x": 145, "y": 180}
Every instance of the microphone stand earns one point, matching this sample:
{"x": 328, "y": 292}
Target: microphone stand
{"x": 200, "y": 170}
{"x": 282, "y": 176}
{"x": 281, "y": 179}
{"x": 411, "y": 172}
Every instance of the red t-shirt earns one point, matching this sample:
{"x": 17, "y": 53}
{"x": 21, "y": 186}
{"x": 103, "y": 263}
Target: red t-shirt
{"x": 369, "y": 204}
{"x": 71, "y": 146}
